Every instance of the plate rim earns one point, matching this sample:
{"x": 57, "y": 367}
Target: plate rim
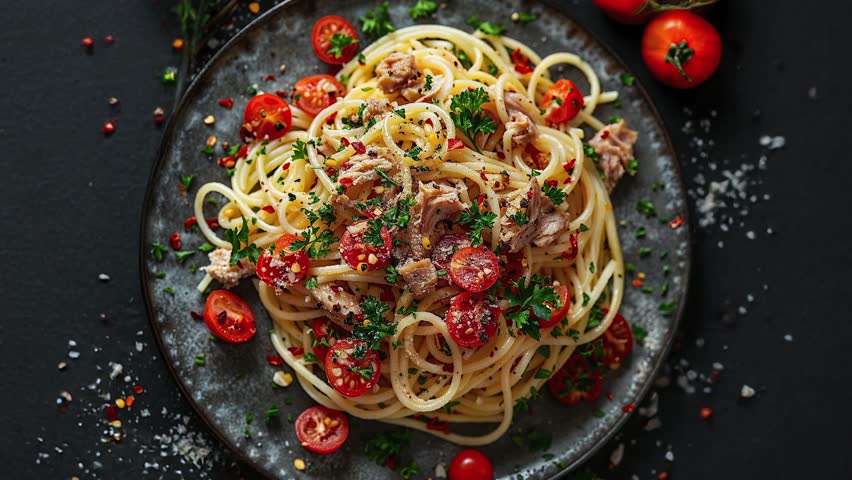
{"x": 167, "y": 140}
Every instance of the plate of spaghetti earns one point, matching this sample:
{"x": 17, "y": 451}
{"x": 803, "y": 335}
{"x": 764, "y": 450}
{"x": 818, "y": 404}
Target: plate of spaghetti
{"x": 428, "y": 245}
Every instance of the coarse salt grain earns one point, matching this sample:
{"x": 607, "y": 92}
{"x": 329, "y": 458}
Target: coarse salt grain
{"x": 617, "y": 455}
{"x": 788, "y": 338}
{"x": 670, "y": 456}
{"x": 746, "y": 391}
{"x": 103, "y": 277}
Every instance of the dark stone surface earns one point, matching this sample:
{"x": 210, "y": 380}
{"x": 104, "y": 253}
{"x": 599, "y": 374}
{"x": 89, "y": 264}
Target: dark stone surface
{"x": 73, "y": 201}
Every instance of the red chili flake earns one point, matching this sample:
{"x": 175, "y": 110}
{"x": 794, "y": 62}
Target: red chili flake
{"x": 227, "y": 162}
{"x": 570, "y": 165}
{"x": 706, "y": 413}
{"x": 344, "y": 141}
{"x": 213, "y": 223}
{"x": 108, "y": 128}
{"x": 159, "y": 115}
{"x": 637, "y": 283}
{"x": 438, "y": 426}
{"x": 521, "y": 61}
{"x": 552, "y": 183}
{"x": 109, "y": 40}
{"x": 454, "y": 144}
{"x": 189, "y": 223}
{"x": 568, "y": 180}
{"x": 269, "y": 78}
{"x": 529, "y": 193}
{"x": 336, "y": 288}
{"x": 501, "y": 155}
{"x": 482, "y": 175}
{"x": 195, "y": 315}
{"x": 333, "y": 69}
{"x": 331, "y": 118}
{"x": 111, "y": 413}
{"x": 391, "y": 462}
{"x": 88, "y": 42}
{"x": 345, "y": 181}
{"x": 604, "y": 134}
{"x": 429, "y": 122}
{"x": 275, "y": 360}
{"x": 282, "y": 93}
{"x": 359, "y": 147}
{"x": 295, "y": 351}
{"x": 243, "y": 153}
{"x": 575, "y": 248}
{"x": 174, "y": 239}
{"x": 268, "y": 208}
{"x": 628, "y": 408}
{"x": 677, "y": 222}
{"x": 448, "y": 367}
{"x": 137, "y": 389}
{"x": 226, "y": 102}
{"x": 663, "y": 476}
{"x": 609, "y": 395}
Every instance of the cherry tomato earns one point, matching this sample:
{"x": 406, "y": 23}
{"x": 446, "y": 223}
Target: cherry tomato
{"x": 562, "y": 101}
{"x": 617, "y": 342}
{"x": 557, "y": 314}
{"x": 446, "y": 247}
{"x": 470, "y": 464}
{"x": 267, "y": 117}
{"x": 321, "y": 429}
{"x": 315, "y": 93}
{"x": 472, "y": 319}
{"x": 325, "y": 30}
{"x": 283, "y": 268}
{"x": 229, "y": 317}
{"x": 474, "y": 268}
{"x": 352, "y": 369}
{"x": 575, "y": 381}
{"x": 359, "y": 253}
{"x": 634, "y": 12}
{"x": 324, "y": 335}
{"x": 681, "y": 49}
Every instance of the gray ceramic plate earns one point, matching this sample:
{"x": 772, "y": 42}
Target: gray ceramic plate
{"x": 236, "y": 379}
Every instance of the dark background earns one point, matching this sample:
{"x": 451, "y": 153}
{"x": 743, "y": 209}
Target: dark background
{"x": 71, "y": 208}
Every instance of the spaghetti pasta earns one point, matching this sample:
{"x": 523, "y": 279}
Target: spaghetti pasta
{"x": 426, "y": 377}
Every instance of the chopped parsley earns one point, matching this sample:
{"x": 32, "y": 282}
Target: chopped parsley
{"x": 477, "y": 221}
{"x": 646, "y": 207}
{"x": 300, "y": 150}
{"x": 377, "y": 23}
{"x": 640, "y": 232}
{"x": 554, "y": 193}
{"x": 373, "y": 235}
{"x": 520, "y": 218}
{"x": 200, "y": 360}
{"x": 414, "y": 153}
{"x": 543, "y": 374}
{"x": 314, "y": 242}
{"x": 186, "y": 182}
{"x": 428, "y": 85}
{"x": 400, "y": 112}
{"x": 158, "y": 251}
{"x": 466, "y": 112}
{"x": 583, "y": 227}
{"x": 639, "y": 333}
{"x": 386, "y": 445}
{"x": 311, "y": 283}
{"x": 339, "y": 42}
{"x": 530, "y": 303}
{"x": 206, "y": 248}
{"x": 386, "y": 180}
{"x": 409, "y": 470}
{"x": 487, "y": 28}
{"x": 239, "y": 237}
{"x": 392, "y": 274}
{"x": 270, "y": 413}
{"x": 374, "y": 329}
{"x": 526, "y": 17}
{"x": 367, "y": 373}
{"x": 644, "y": 251}
{"x": 627, "y": 79}
{"x": 182, "y": 255}
{"x": 667, "y": 308}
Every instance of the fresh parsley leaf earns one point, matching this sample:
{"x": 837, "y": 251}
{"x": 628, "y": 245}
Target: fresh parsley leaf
{"x": 206, "y": 248}
{"x": 487, "y": 28}
{"x": 339, "y": 42}
{"x": 377, "y": 23}
{"x": 409, "y": 470}
{"x": 386, "y": 180}
{"x": 326, "y": 214}
{"x": 529, "y": 300}
{"x": 270, "y": 413}
{"x": 477, "y": 221}
{"x": 399, "y": 112}
{"x": 158, "y": 251}
{"x": 310, "y": 357}
{"x": 374, "y": 329}
{"x": 543, "y": 374}
{"x": 386, "y": 445}
{"x": 186, "y": 182}
{"x": 520, "y": 218}
{"x": 300, "y": 150}
{"x": 639, "y": 333}
{"x": 554, "y": 193}
{"x": 392, "y": 274}
{"x": 423, "y": 8}
{"x": 428, "y": 85}
{"x": 414, "y": 152}
{"x": 239, "y": 237}
{"x": 314, "y": 242}
{"x": 182, "y": 255}
{"x": 632, "y": 167}
{"x": 466, "y": 112}
{"x": 373, "y": 235}
{"x": 367, "y": 373}
{"x": 311, "y": 283}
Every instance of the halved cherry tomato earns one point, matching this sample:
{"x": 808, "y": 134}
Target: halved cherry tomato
{"x": 361, "y": 255}
{"x": 267, "y": 117}
{"x": 324, "y": 335}
{"x": 557, "y": 314}
{"x": 315, "y": 93}
{"x": 562, "y": 101}
{"x": 681, "y": 49}
{"x": 325, "y": 30}
{"x": 229, "y": 317}
{"x": 617, "y": 342}
{"x": 474, "y": 268}
{"x": 472, "y": 319}
{"x": 446, "y": 247}
{"x": 352, "y": 368}
{"x": 283, "y": 268}
{"x": 575, "y": 381}
{"x": 470, "y": 464}
{"x": 321, "y": 429}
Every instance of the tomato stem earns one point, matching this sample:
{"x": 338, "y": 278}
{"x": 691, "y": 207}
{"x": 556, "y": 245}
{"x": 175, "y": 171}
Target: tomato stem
{"x": 655, "y": 6}
{"x": 678, "y": 55}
